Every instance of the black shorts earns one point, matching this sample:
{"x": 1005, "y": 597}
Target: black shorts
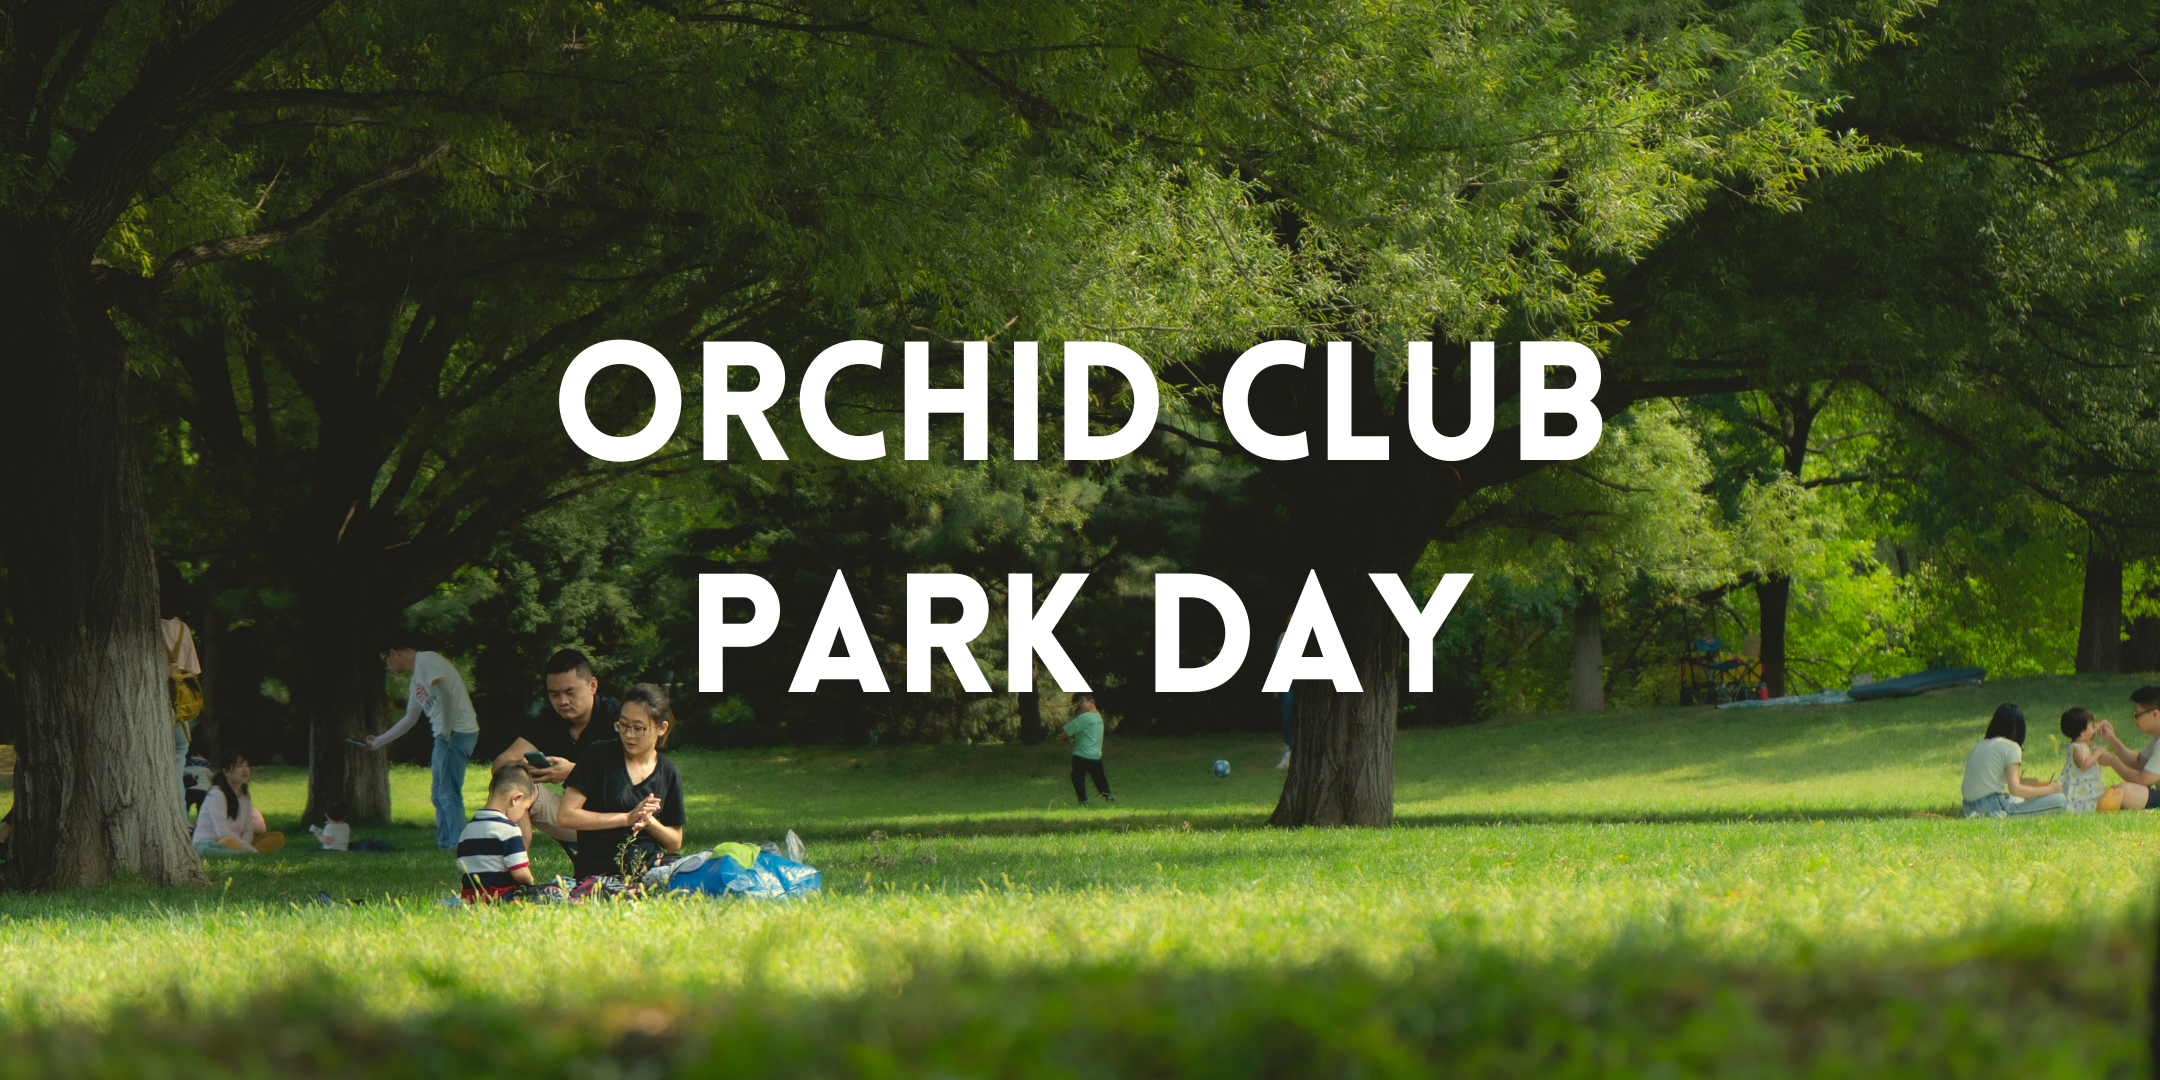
{"x": 2152, "y": 797}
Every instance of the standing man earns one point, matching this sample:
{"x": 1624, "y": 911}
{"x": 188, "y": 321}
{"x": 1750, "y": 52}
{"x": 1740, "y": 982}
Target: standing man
{"x": 439, "y": 691}
{"x": 1085, "y": 731}
{"x": 576, "y": 717}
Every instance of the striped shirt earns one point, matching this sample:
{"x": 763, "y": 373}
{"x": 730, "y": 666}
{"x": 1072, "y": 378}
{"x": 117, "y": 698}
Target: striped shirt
{"x": 488, "y": 849}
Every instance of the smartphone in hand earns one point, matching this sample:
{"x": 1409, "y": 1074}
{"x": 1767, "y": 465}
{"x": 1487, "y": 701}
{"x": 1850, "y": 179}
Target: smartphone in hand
{"x": 536, "y": 759}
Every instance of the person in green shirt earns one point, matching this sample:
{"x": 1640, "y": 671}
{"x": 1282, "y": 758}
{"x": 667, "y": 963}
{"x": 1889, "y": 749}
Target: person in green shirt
{"x": 1085, "y": 731}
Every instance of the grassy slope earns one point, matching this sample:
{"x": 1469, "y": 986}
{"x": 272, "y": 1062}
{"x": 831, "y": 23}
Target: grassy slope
{"x": 1750, "y": 841}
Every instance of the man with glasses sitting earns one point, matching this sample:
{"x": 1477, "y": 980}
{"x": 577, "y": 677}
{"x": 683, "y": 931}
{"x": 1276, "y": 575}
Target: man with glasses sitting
{"x": 576, "y": 716}
{"x": 2139, "y": 772}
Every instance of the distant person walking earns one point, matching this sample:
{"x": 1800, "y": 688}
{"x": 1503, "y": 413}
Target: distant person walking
{"x": 1993, "y": 787}
{"x": 439, "y": 692}
{"x": 1086, "y": 732}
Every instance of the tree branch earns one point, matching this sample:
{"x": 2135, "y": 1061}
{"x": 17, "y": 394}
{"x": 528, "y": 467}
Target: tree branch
{"x": 233, "y": 247}
{"x": 169, "y": 95}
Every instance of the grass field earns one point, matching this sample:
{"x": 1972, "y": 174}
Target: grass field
{"x": 1665, "y": 892}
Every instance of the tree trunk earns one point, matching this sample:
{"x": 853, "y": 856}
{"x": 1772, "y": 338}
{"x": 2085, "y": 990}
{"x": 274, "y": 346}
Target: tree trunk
{"x": 1031, "y": 722}
{"x": 344, "y": 701}
{"x": 2099, "y": 647}
{"x": 1344, "y": 770}
{"x": 1773, "y": 597}
{"x": 1587, "y": 691}
{"x": 96, "y": 793}
{"x": 2143, "y": 652}
{"x": 1348, "y": 520}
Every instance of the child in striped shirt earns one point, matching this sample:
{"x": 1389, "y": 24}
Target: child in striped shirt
{"x": 491, "y": 854}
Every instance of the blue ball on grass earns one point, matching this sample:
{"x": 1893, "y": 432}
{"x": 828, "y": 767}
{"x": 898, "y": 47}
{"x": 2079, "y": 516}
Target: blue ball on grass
{"x": 1222, "y": 768}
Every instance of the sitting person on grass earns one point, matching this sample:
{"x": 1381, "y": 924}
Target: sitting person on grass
{"x": 334, "y": 834}
{"x": 228, "y": 823}
{"x": 1993, "y": 787}
{"x": 493, "y": 864}
{"x": 2141, "y": 778}
{"x": 624, "y": 799}
{"x": 2085, "y": 790}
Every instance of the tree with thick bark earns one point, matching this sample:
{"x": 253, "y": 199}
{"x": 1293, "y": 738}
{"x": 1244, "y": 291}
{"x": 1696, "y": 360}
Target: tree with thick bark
{"x": 97, "y": 98}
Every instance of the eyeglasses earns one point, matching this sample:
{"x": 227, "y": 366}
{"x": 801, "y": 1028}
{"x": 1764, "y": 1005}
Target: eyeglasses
{"x": 634, "y": 730}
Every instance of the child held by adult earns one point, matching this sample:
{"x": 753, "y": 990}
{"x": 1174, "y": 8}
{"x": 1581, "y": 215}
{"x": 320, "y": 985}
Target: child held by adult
{"x": 228, "y": 823}
{"x": 2085, "y": 790}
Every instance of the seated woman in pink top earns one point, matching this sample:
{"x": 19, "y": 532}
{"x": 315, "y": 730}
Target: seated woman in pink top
{"x": 228, "y": 823}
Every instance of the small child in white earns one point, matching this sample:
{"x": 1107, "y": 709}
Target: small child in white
{"x": 2084, "y": 789}
{"x": 333, "y": 832}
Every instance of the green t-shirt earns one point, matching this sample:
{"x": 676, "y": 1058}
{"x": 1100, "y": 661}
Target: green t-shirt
{"x": 1086, "y": 732}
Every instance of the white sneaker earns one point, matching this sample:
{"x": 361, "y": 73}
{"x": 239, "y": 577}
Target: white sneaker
{"x": 1285, "y": 762}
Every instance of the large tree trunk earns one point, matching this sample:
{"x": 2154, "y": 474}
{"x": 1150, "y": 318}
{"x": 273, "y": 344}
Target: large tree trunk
{"x": 1344, "y": 770}
{"x": 344, "y": 701}
{"x": 2099, "y": 647}
{"x": 1350, "y": 519}
{"x": 1773, "y": 598}
{"x": 1586, "y": 692}
{"x": 96, "y": 793}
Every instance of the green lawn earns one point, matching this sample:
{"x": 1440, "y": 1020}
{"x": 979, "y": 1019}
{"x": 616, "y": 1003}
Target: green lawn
{"x": 1746, "y": 892}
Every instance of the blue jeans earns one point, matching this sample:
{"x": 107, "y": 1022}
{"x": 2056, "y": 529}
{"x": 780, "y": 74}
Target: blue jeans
{"x": 452, "y": 754}
{"x": 180, "y": 748}
{"x": 2000, "y": 803}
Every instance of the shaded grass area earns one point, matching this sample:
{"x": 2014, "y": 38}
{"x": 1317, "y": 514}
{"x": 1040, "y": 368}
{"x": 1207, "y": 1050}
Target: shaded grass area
{"x": 1746, "y": 886}
{"x": 2030, "y": 1003}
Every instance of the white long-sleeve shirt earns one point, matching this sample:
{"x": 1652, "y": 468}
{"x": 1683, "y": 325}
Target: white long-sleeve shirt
{"x": 212, "y": 824}
{"x": 447, "y": 706}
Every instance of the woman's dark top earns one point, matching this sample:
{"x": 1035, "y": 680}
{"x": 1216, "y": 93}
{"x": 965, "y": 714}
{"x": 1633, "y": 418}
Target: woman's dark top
{"x": 604, "y": 779}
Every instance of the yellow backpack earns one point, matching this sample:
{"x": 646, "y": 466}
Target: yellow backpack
{"x": 182, "y": 689}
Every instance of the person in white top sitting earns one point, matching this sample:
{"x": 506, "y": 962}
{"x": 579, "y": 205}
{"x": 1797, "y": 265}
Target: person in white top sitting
{"x": 333, "y": 832}
{"x": 439, "y": 691}
{"x": 228, "y": 823}
{"x": 1993, "y": 787}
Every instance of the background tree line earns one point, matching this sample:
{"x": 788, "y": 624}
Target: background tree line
{"x": 1869, "y": 281}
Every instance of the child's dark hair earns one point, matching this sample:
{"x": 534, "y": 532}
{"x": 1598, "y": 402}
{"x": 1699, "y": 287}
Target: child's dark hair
{"x": 333, "y": 809}
{"x": 653, "y": 700}
{"x": 2075, "y": 721}
{"x": 2007, "y": 723}
{"x": 511, "y": 778}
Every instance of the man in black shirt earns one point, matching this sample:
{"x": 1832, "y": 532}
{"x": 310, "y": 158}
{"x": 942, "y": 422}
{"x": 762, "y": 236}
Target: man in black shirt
{"x": 576, "y": 717}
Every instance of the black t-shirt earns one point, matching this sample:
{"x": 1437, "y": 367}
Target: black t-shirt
{"x": 550, "y": 733}
{"x": 604, "y": 779}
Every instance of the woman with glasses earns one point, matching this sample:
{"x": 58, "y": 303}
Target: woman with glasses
{"x": 624, "y": 799}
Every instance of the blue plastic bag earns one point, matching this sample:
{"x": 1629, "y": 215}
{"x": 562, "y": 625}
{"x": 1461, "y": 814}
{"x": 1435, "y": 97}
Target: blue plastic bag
{"x": 771, "y": 877}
